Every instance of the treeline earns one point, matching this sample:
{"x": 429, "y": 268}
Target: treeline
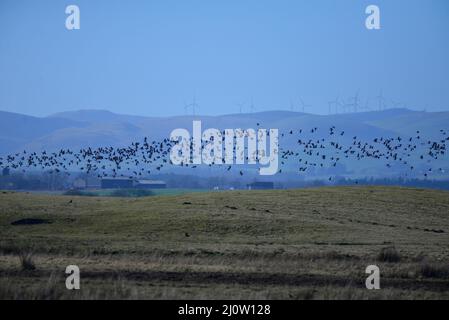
{"x": 58, "y": 181}
{"x": 35, "y": 181}
{"x": 401, "y": 182}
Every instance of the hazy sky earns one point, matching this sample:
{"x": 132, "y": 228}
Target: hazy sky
{"x": 150, "y": 57}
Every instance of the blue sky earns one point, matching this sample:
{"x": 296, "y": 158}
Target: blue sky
{"x": 150, "y": 57}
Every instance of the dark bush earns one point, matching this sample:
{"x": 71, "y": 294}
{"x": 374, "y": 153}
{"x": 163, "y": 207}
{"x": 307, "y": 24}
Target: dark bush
{"x": 434, "y": 270}
{"x": 26, "y": 261}
{"x": 389, "y": 254}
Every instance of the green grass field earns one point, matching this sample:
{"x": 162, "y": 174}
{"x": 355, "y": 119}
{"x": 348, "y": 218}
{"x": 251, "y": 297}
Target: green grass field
{"x": 128, "y": 192}
{"x": 277, "y": 244}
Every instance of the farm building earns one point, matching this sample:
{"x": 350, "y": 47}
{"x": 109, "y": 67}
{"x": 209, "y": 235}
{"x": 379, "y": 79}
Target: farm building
{"x": 128, "y": 183}
{"x": 261, "y": 185}
{"x": 117, "y": 183}
{"x": 86, "y": 183}
{"x": 80, "y": 184}
{"x": 150, "y": 184}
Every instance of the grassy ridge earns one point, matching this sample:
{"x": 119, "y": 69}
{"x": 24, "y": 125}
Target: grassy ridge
{"x": 313, "y": 243}
{"x": 131, "y": 192}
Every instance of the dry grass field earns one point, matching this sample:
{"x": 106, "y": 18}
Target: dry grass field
{"x": 277, "y": 244}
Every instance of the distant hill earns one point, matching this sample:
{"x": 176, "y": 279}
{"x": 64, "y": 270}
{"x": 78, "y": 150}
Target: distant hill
{"x": 17, "y": 130}
{"x": 100, "y": 127}
{"x": 96, "y": 116}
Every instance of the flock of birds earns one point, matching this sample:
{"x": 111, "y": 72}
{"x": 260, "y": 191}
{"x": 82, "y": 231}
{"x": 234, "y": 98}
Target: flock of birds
{"x": 395, "y": 152}
{"x": 307, "y": 150}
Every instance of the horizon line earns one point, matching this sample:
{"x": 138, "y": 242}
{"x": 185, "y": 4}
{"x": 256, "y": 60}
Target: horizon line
{"x": 55, "y": 115}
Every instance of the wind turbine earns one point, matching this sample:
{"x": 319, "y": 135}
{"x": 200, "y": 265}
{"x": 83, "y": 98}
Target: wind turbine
{"x": 381, "y": 100}
{"x": 366, "y": 107}
{"x": 240, "y": 105}
{"x": 344, "y": 105}
{"x": 192, "y": 105}
{"x": 294, "y": 105}
{"x": 252, "y": 107}
{"x": 304, "y": 106}
{"x": 396, "y": 104}
{"x": 335, "y": 102}
{"x": 356, "y": 101}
